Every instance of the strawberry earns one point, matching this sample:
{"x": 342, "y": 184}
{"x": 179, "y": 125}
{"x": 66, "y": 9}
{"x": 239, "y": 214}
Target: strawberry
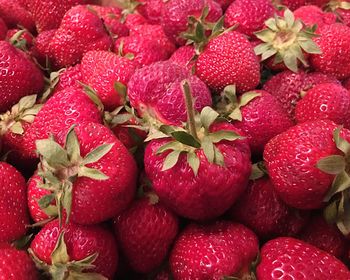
{"x": 213, "y": 65}
{"x": 287, "y": 87}
{"x": 224, "y": 3}
{"x": 133, "y": 20}
{"x": 213, "y": 251}
{"x": 20, "y": 76}
{"x": 183, "y": 56}
{"x": 80, "y": 31}
{"x": 3, "y": 29}
{"x": 325, "y": 101}
{"x": 287, "y": 257}
{"x": 311, "y": 15}
{"x": 334, "y": 59}
{"x": 69, "y": 77}
{"x": 341, "y": 9}
{"x": 324, "y": 236}
{"x": 290, "y": 4}
{"x": 13, "y": 210}
{"x": 145, "y": 233}
{"x": 15, "y": 15}
{"x": 248, "y": 15}
{"x": 151, "y": 10}
{"x": 75, "y": 251}
{"x": 41, "y": 50}
{"x": 155, "y": 92}
{"x": 16, "y": 264}
{"x": 102, "y": 70}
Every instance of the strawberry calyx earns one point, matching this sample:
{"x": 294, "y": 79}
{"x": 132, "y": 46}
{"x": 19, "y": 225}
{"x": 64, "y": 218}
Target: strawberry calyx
{"x": 286, "y": 38}
{"x": 24, "y": 111}
{"x": 338, "y": 197}
{"x": 51, "y": 84}
{"x": 62, "y": 268}
{"x": 18, "y": 42}
{"x": 128, "y": 7}
{"x": 259, "y": 170}
{"x": 121, "y": 53}
{"x": 338, "y": 4}
{"x": 195, "y": 136}
{"x": 59, "y": 169}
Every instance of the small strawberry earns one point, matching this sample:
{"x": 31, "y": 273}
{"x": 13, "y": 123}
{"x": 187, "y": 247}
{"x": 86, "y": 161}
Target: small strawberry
{"x": 15, "y": 15}
{"x": 41, "y": 50}
{"x": 183, "y": 57}
{"x": 214, "y": 251}
{"x": 325, "y": 101}
{"x": 311, "y": 15}
{"x": 286, "y": 257}
{"x": 248, "y": 15}
{"x": 151, "y": 10}
{"x": 69, "y": 77}
{"x": 145, "y": 233}
{"x": 133, "y": 20}
{"x": 74, "y": 251}
{"x": 20, "y": 76}
{"x": 14, "y": 216}
{"x": 3, "y": 29}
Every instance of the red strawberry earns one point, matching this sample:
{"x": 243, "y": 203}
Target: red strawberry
{"x": 335, "y": 58}
{"x": 145, "y": 233}
{"x": 213, "y": 251}
{"x": 13, "y": 210}
{"x": 102, "y": 70}
{"x": 248, "y": 15}
{"x": 69, "y": 78}
{"x": 324, "y": 236}
{"x": 287, "y": 257}
{"x": 133, "y": 20}
{"x": 341, "y": 9}
{"x": 20, "y": 76}
{"x": 20, "y": 37}
{"x": 311, "y": 15}
{"x": 61, "y": 249}
{"x": 3, "y": 29}
{"x": 288, "y": 86}
{"x": 151, "y": 10}
{"x": 41, "y": 50}
{"x": 16, "y": 264}
{"x": 325, "y": 101}
{"x": 183, "y": 56}
{"x": 214, "y": 63}
{"x": 15, "y": 15}
{"x": 81, "y": 30}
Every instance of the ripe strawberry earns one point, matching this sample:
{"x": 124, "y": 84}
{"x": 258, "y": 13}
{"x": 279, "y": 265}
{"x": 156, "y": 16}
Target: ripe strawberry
{"x": 69, "y": 77}
{"x": 319, "y": 3}
{"x": 41, "y": 50}
{"x": 3, "y": 29}
{"x": 214, "y": 63}
{"x": 183, "y": 56}
{"x": 248, "y": 15}
{"x": 311, "y": 15}
{"x": 213, "y": 251}
{"x": 63, "y": 250}
{"x": 324, "y": 236}
{"x": 15, "y": 15}
{"x": 325, "y": 101}
{"x": 287, "y": 257}
{"x": 151, "y": 10}
{"x": 13, "y": 210}
{"x": 224, "y": 3}
{"x": 20, "y": 76}
{"x": 101, "y": 70}
{"x": 145, "y": 233}
{"x": 133, "y": 20}
{"x": 16, "y": 264}
{"x": 81, "y": 30}
{"x": 288, "y": 86}
{"x": 335, "y": 59}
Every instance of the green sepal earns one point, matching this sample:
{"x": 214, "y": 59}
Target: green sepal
{"x": 258, "y": 171}
{"x": 51, "y": 84}
{"x": 334, "y": 164}
{"x": 171, "y": 160}
{"x": 342, "y": 144}
{"x": 46, "y": 200}
{"x": 98, "y": 153}
{"x": 60, "y": 254}
{"x": 120, "y": 88}
{"x": 340, "y": 183}
{"x": 208, "y": 117}
{"x": 93, "y": 96}
{"x": 222, "y": 135}
{"x": 193, "y": 162}
{"x": 23, "y": 242}
{"x": 52, "y": 152}
{"x": 72, "y": 146}
{"x": 208, "y": 149}
{"x": 92, "y": 173}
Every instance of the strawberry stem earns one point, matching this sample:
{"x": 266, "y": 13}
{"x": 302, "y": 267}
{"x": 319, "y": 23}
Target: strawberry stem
{"x": 189, "y": 108}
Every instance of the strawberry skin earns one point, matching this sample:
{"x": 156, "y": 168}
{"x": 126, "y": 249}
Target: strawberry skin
{"x": 151, "y": 10}
{"x": 212, "y": 191}
{"x": 69, "y": 78}
{"x": 291, "y": 4}
{"x": 289, "y": 258}
{"x": 145, "y": 233}
{"x": 13, "y": 210}
{"x": 3, "y": 29}
{"x": 325, "y": 101}
{"x": 182, "y": 56}
{"x": 20, "y": 76}
{"x": 213, "y": 251}
{"x": 81, "y": 242}
{"x": 311, "y": 15}
{"x": 14, "y": 14}
{"x": 214, "y": 64}
{"x": 41, "y": 50}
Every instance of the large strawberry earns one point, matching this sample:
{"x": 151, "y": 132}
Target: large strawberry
{"x": 284, "y": 258}
{"x": 145, "y": 233}
{"x": 14, "y": 216}
{"x": 20, "y": 76}
{"x": 15, "y": 15}
{"x": 80, "y": 31}
{"x": 311, "y": 15}
{"x": 3, "y": 29}
{"x": 74, "y": 251}
{"x": 214, "y": 251}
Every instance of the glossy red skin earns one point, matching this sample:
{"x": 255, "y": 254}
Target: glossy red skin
{"x": 3, "y": 29}
{"x": 16, "y": 265}
{"x": 325, "y": 101}
{"x": 14, "y": 14}
{"x": 145, "y": 233}
{"x": 134, "y": 20}
{"x": 294, "y": 223}
{"x": 215, "y": 64}
{"x": 263, "y": 118}
{"x": 81, "y": 241}
{"x": 175, "y": 15}
{"x": 289, "y": 258}
{"x": 291, "y": 4}
{"x": 19, "y": 76}
{"x": 41, "y": 50}
{"x": 291, "y": 159}
{"x": 151, "y": 10}
{"x": 80, "y": 31}
{"x": 287, "y": 86}
{"x": 248, "y": 15}
{"x": 156, "y": 90}
{"x": 212, "y": 251}
{"x": 48, "y": 14}
{"x": 311, "y": 15}
{"x": 116, "y": 192}
{"x": 13, "y": 210}
{"x": 69, "y": 78}
{"x": 344, "y": 15}
{"x": 335, "y": 58}
{"x": 212, "y": 191}
{"x": 101, "y": 69}
{"x": 325, "y": 237}
{"x": 182, "y": 56}
{"x": 26, "y": 36}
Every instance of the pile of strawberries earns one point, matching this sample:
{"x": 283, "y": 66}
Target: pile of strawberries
{"x": 175, "y": 139}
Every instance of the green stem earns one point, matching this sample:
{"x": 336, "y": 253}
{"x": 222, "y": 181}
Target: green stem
{"x": 189, "y": 108}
